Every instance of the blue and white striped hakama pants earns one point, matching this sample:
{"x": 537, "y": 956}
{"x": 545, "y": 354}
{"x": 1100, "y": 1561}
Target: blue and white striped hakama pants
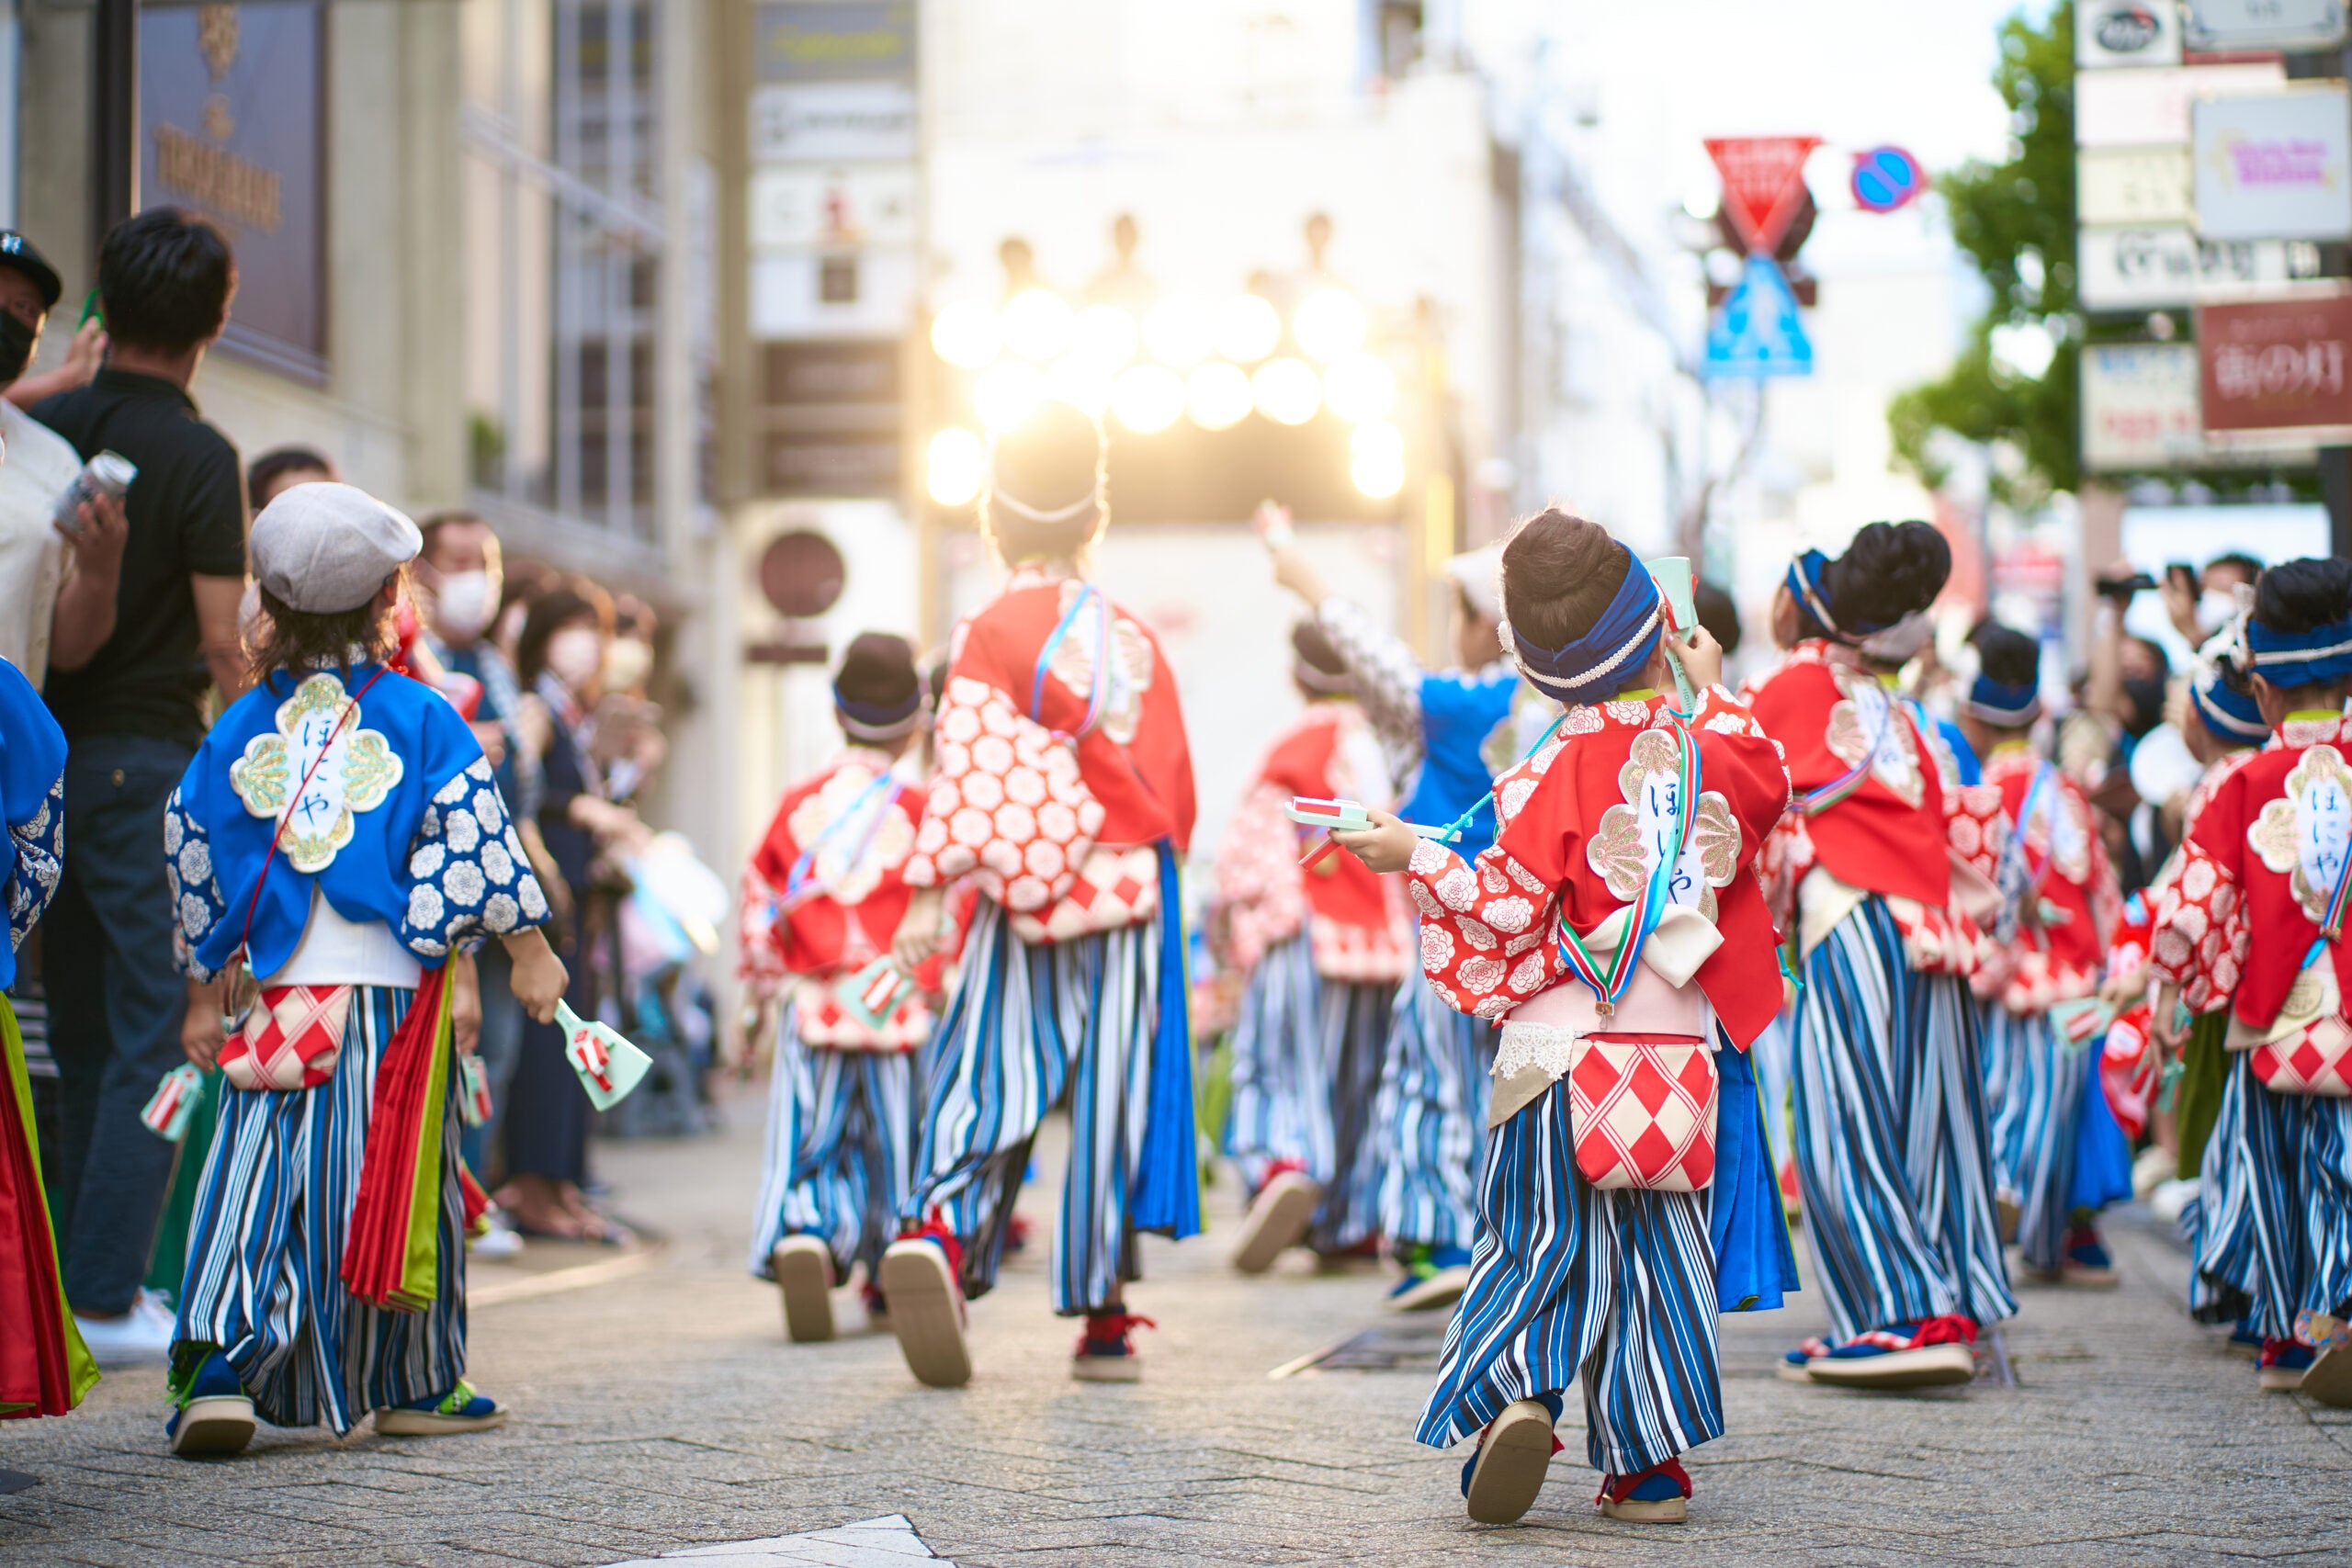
{"x": 1570, "y": 1284}
{"x": 2278, "y": 1239}
{"x": 840, "y": 1155}
{"x": 1028, "y": 1027}
{"x": 1282, "y": 1096}
{"x": 1353, "y": 1026}
{"x": 264, "y": 1281}
{"x": 1433, "y": 1097}
{"x": 1892, "y": 1148}
{"x": 2038, "y": 1092}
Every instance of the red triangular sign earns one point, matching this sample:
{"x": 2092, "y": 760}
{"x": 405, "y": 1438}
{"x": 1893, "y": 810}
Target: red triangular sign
{"x": 1763, "y": 183}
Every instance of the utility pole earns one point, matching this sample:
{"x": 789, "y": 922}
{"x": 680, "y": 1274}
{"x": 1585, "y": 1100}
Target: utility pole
{"x": 114, "y": 116}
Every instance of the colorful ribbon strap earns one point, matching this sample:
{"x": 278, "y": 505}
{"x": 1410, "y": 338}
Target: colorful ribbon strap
{"x": 1099, "y": 696}
{"x": 1815, "y": 802}
{"x": 2331, "y": 925}
{"x": 1610, "y": 984}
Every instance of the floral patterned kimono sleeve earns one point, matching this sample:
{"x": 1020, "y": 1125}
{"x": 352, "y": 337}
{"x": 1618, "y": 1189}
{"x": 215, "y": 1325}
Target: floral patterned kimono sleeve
{"x": 469, "y": 878}
{"x": 197, "y": 897}
{"x": 37, "y": 837}
{"x": 2201, "y": 936}
{"x": 1485, "y": 929}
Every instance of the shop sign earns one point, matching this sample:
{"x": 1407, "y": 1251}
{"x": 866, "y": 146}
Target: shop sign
{"x": 2126, "y": 32}
{"x": 2277, "y": 166}
{"x": 2166, "y": 268}
{"x": 2133, "y": 184}
{"x": 830, "y": 122}
{"x": 232, "y": 127}
{"x": 2280, "y": 364}
{"x": 2218, "y": 26}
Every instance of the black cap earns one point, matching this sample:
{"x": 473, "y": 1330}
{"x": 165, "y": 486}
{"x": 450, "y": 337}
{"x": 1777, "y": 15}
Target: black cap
{"x": 17, "y": 252}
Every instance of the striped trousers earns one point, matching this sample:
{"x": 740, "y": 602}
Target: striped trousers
{"x": 263, "y": 1282}
{"x": 839, "y": 1154}
{"x": 1281, "y": 1097}
{"x": 2044, "y": 1096}
{"x": 1433, "y": 1096}
{"x": 2289, "y": 1247}
{"x": 1569, "y": 1284}
{"x": 1030, "y": 1027}
{"x": 1353, "y": 1027}
{"x": 2223, "y": 1278}
{"x": 1892, "y": 1145}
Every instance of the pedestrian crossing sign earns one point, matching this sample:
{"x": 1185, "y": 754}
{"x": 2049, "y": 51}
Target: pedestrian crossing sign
{"x": 1758, "y": 332}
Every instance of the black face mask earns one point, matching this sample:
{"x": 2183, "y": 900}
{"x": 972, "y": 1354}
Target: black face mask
{"x": 2146, "y": 696}
{"x": 16, "y": 342}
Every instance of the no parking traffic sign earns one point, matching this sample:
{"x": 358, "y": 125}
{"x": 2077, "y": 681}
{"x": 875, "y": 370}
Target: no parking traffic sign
{"x": 1885, "y": 178}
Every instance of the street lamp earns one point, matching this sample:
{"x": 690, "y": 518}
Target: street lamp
{"x": 1248, "y": 328}
{"x": 1330, "y": 324}
{"x": 1176, "y": 330}
{"x": 1037, "y": 324}
{"x": 1006, "y": 393}
{"x": 1147, "y": 397}
{"x": 1080, "y": 381}
{"x": 1217, "y": 395}
{"x": 1105, "y": 336}
{"x": 966, "y": 335}
{"x": 1287, "y": 390}
{"x": 1359, "y": 387}
{"x": 956, "y": 458}
{"x": 1376, "y": 458}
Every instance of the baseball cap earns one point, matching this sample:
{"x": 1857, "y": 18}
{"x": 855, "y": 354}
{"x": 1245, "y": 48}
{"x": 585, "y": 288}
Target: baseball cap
{"x": 17, "y": 252}
{"x": 324, "y": 548}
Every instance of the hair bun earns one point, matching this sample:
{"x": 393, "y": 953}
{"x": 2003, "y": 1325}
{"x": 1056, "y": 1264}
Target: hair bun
{"x": 2006, "y": 656}
{"x": 877, "y": 669}
{"x": 2303, "y": 596}
{"x": 1889, "y": 571}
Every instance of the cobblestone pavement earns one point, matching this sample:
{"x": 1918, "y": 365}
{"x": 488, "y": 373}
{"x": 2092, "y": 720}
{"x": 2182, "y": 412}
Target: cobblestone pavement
{"x": 663, "y": 1410}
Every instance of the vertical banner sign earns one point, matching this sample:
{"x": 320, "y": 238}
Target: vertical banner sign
{"x": 2280, "y": 364}
{"x": 230, "y": 123}
{"x": 1763, "y": 184}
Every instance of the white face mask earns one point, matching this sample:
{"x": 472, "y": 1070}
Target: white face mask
{"x": 464, "y": 604}
{"x": 576, "y": 654}
{"x": 626, "y": 663}
{"x": 2214, "y": 608}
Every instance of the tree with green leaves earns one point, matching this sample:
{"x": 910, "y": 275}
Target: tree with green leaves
{"x": 2015, "y": 221}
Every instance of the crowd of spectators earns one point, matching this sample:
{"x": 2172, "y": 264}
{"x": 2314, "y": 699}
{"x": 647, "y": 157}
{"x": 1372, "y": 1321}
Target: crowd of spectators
{"x": 135, "y": 621}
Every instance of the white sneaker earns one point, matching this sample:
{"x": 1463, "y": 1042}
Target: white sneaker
{"x": 140, "y": 1337}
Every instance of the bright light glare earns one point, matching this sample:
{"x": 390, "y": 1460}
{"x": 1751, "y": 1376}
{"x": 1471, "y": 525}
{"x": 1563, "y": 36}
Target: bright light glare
{"x": 966, "y": 335}
{"x": 1248, "y": 328}
{"x": 1217, "y": 395}
{"x": 1081, "y": 382}
{"x": 1330, "y": 324}
{"x": 1359, "y": 387}
{"x": 1005, "y": 394}
{"x": 1036, "y": 324}
{"x": 1105, "y": 337}
{"x": 957, "y": 457}
{"x": 1376, "y": 458}
{"x": 1147, "y": 397}
{"x": 1176, "y": 330}
{"x": 1287, "y": 390}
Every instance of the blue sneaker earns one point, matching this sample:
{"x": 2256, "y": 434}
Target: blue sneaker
{"x": 1434, "y": 1276}
{"x": 215, "y": 1419}
{"x": 459, "y": 1410}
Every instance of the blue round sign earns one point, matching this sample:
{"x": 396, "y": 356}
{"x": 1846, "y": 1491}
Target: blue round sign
{"x": 1886, "y": 178}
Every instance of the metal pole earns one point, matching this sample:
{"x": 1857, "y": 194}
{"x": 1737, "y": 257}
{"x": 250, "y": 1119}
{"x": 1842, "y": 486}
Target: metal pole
{"x": 114, "y": 116}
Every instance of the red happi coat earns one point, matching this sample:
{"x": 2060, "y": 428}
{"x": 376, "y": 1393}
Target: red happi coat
{"x": 2061, "y": 944}
{"x": 1051, "y": 817}
{"x": 1359, "y": 923}
{"x": 2234, "y": 925}
{"x": 811, "y": 939}
{"x": 1890, "y": 836}
{"x": 1571, "y": 846}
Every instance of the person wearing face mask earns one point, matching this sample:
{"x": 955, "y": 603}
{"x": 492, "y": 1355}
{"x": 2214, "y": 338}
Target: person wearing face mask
{"x": 458, "y": 580}
{"x": 560, "y": 656}
{"x": 36, "y": 465}
{"x": 633, "y": 745}
{"x": 2200, "y": 604}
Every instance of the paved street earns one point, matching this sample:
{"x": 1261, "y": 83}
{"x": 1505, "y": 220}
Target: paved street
{"x": 660, "y": 1409}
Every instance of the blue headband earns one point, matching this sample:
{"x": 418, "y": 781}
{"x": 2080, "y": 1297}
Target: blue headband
{"x": 1809, "y": 592}
{"x": 878, "y": 721}
{"x": 2300, "y": 658}
{"x": 2227, "y": 713}
{"x": 1995, "y": 704}
{"x": 1598, "y": 665}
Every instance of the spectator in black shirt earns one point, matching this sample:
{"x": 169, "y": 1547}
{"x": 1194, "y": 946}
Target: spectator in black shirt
{"x": 130, "y": 696}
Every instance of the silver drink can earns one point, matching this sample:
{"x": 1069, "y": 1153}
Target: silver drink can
{"x": 107, "y": 475}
